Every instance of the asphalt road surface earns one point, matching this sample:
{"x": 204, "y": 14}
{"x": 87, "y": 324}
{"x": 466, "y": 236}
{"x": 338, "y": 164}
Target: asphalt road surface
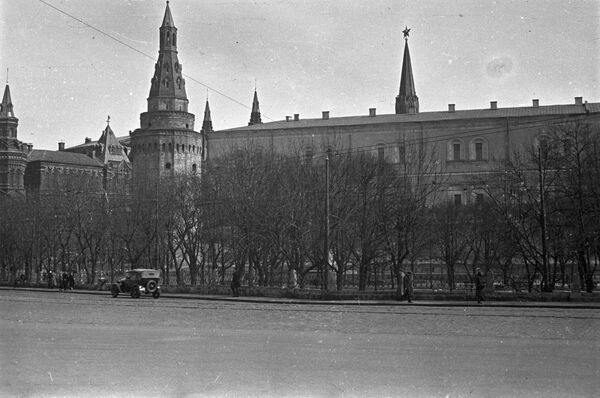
{"x": 78, "y": 345}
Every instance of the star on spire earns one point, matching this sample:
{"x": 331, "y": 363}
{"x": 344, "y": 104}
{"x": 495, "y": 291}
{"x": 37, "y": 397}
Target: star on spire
{"x": 406, "y": 31}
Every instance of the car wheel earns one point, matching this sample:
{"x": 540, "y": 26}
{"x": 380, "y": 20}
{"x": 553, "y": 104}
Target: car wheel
{"x": 114, "y": 290}
{"x": 151, "y": 286}
{"x": 135, "y": 292}
{"x": 156, "y": 294}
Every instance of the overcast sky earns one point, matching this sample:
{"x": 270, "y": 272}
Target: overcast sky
{"x": 305, "y": 55}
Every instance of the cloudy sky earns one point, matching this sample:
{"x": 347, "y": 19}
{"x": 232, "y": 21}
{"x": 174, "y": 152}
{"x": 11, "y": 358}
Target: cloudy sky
{"x": 66, "y": 74}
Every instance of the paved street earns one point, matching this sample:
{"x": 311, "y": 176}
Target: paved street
{"x": 65, "y": 344}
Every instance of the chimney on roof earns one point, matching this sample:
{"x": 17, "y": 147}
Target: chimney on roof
{"x": 494, "y": 105}
{"x": 578, "y": 100}
{"x": 61, "y": 146}
{"x": 296, "y": 117}
{"x": 325, "y": 115}
{"x": 287, "y": 118}
{"x": 88, "y": 140}
{"x": 372, "y": 112}
{"x": 536, "y": 103}
{"x": 451, "y": 107}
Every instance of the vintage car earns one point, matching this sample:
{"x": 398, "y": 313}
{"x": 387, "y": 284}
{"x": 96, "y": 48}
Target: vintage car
{"x": 138, "y": 281}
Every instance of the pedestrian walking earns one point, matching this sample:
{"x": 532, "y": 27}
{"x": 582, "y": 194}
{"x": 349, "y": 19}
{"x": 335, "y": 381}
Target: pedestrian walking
{"x": 408, "y": 286}
{"x": 50, "y": 279}
{"x": 479, "y": 285}
{"x": 64, "y": 281}
{"x": 71, "y": 281}
{"x": 235, "y": 283}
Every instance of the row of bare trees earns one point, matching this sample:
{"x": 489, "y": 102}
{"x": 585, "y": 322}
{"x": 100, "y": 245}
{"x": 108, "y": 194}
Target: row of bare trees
{"x": 267, "y": 214}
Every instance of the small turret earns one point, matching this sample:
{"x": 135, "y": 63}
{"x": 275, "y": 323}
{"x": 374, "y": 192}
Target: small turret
{"x": 255, "y": 114}
{"x": 207, "y": 126}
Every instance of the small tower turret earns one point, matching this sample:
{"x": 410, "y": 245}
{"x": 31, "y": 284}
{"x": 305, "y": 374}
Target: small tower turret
{"x": 255, "y": 114}
{"x": 13, "y": 153}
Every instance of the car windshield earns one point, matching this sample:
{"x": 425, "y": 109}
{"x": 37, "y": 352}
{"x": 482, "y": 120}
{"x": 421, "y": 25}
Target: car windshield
{"x": 133, "y": 276}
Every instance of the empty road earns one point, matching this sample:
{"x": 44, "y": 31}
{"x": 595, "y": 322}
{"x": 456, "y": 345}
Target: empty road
{"x": 74, "y": 345}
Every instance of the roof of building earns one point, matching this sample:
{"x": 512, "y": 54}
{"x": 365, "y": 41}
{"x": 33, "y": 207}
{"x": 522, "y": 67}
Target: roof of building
{"x": 6, "y": 107}
{"x": 168, "y": 18}
{"x": 524, "y": 111}
{"x": 62, "y": 157}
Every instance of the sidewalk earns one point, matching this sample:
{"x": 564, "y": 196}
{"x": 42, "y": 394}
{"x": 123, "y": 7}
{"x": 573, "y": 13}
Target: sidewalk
{"x": 294, "y": 301}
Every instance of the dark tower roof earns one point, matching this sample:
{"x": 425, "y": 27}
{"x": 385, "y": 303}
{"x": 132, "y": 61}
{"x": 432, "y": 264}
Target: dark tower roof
{"x": 111, "y": 149}
{"x": 168, "y": 77}
{"x": 407, "y": 100}
{"x": 207, "y": 126}
{"x": 255, "y": 114}
{"x": 6, "y": 108}
{"x": 168, "y": 19}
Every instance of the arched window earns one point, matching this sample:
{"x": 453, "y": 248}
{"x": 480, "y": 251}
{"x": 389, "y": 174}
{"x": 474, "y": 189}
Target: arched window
{"x": 542, "y": 142}
{"x": 401, "y": 153}
{"x": 478, "y": 149}
{"x": 380, "y": 152}
{"x": 177, "y": 147}
{"x": 309, "y": 153}
{"x": 174, "y": 39}
{"x": 455, "y": 150}
{"x": 168, "y": 38}
{"x": 163, "y": 147}
{"x": 194, "y": 168}
{"x": 168, "y": 166}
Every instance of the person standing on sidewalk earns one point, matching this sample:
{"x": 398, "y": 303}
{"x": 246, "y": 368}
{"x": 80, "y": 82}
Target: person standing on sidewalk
{"x": 408, "y": 286}
{"x": 235, "y": 283}
{"x": 479, "y": 285}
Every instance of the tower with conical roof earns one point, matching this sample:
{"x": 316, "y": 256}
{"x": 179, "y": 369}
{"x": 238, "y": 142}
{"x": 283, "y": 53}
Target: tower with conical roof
{"x": 166, "y": 143}
{"x": 13, "y": 153}
{"x": 255, "y": 114}
{"x": 407, "y": 100}
{"x": 207, "y": 126}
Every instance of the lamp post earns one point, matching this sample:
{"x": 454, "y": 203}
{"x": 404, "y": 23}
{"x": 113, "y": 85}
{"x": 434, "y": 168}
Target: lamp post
{"x": 326, "y": 246}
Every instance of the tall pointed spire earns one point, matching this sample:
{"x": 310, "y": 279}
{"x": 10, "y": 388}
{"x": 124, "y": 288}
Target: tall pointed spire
{"x": 6, "y": 108}
{"x": 207, "y": 126}
{"x": 168, "y": 82}
{"x": 168, "y": 18}
{"x": 255, "y": 114}
{"x": 407, "y": 100}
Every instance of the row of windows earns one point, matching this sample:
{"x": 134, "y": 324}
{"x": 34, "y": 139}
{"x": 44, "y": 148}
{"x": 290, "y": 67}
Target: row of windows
{"x": 146, "y": 148}
{"x": 458, "y": 198}
{"x": 398, "y": 154}
{"x": 477, "y": 150}
{"x": 168, "y": 167}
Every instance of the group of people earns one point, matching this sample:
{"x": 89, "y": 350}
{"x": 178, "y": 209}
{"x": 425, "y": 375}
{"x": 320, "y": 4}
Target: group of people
{"x": 66, "y": 281}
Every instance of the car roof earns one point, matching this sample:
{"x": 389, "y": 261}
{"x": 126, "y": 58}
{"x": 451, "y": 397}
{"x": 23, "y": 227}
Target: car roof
{"x": 143, "y": 270}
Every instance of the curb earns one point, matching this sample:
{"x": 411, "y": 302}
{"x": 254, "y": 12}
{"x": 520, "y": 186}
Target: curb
{"x": 389, "y": 303}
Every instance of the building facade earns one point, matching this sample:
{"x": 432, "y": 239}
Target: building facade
{"x": 467, "y": 143}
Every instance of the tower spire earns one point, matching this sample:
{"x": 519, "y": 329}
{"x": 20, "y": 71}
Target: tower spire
{"x": 255, "y": 114}
{"x": 407, "y": 100}
{"x": 168, "y": 81}
{"x": 6, "y": 107}
{"x": 207, "y": 126}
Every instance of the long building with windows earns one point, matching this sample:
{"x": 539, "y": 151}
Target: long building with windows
{"x": 466, "y": 142}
